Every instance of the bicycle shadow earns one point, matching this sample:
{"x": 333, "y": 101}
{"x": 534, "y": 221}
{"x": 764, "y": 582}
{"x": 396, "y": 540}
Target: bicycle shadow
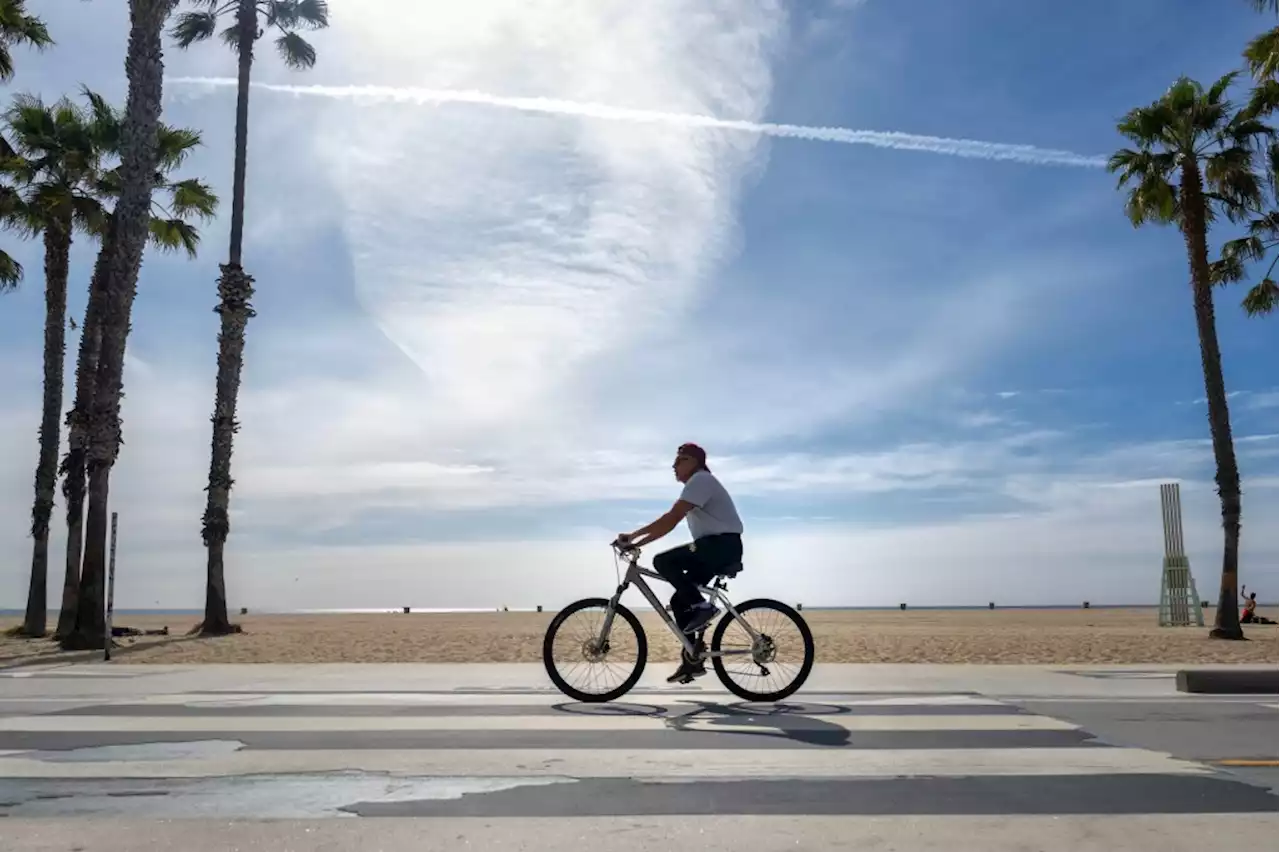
{"x": 800, "y": 723}
{"x": 770, "y": 720}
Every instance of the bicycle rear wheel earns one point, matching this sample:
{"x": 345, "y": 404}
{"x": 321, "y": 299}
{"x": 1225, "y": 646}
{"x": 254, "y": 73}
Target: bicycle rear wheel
{"x": 767, "y": 663}
{"x": 573, "y": 642}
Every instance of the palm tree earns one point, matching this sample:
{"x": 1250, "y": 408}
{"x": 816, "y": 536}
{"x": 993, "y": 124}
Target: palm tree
{"x": 121, "y": 256}
{"x": 251, "y": 19}
{"x": 16, "y": 28}
{"x": 1263, "y": 232}
{"x": 1193, "y": 158}
{"x": 170, "y": 230}
{"x": 55, "y": 172}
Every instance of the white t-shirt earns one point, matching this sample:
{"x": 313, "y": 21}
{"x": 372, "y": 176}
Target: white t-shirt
{"x": 714, "y": 511}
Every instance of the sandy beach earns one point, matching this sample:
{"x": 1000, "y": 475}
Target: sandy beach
{"x": 1012, "y": 636}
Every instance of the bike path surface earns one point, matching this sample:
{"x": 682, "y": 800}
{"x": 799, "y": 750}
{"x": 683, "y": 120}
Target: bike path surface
{"x": 396, "y": 759}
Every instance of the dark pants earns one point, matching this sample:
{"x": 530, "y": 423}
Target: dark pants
{"x": 690, "y": 566}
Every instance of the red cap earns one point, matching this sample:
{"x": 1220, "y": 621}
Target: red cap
{"x": 694, "y": 452}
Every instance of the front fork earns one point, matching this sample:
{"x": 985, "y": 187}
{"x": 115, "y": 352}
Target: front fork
{"x": 608, "y": 615}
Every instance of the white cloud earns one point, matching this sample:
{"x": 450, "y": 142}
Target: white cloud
{"x": 1264, "y": 399}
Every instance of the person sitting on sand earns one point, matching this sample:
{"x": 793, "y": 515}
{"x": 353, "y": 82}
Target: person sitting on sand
{"x": 1250, "y": 615}
{"x": 717, "y": 543}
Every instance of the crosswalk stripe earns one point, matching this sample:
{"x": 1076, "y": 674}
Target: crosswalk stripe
{"x": 647, "y": 764}
{"x": 565, "y": 722}
{"x": 666, "y": 698}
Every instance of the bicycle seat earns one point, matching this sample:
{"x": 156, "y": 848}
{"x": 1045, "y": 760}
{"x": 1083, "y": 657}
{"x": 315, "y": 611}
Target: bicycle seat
{"x": 730, "y": 571}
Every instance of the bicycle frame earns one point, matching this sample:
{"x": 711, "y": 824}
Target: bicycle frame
{"x": 635, "y": 575}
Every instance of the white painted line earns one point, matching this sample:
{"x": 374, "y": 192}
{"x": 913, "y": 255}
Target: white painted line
{"x": 563, "y": 722}
{"x": 648, "y": 764}
{"x": 705, "y": 833}
{"x": 341, "y": 699}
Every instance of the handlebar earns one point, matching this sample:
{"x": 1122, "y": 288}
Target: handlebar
{"x": 625, "y": 549}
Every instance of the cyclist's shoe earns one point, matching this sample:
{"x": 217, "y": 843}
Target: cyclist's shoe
{"x": 687, "y": 672}
{"x": 700, "y": 615}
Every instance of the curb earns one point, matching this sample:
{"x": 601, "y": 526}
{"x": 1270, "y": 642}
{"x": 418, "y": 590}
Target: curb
{"x": 1229, "y": 681}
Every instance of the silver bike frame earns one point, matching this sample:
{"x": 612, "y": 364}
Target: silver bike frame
{"x": 636, "y": 574}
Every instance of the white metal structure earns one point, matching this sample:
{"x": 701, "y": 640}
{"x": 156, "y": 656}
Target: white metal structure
{"x": 1179, "y": 602}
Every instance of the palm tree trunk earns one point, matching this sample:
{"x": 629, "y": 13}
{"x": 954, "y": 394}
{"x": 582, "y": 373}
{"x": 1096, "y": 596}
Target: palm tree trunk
{"x": 57, "y": 258}
{"x": 1226, "y": 624}
{"x": 73, "y": 466}
{"x": 126, "y": 240}
{"x": 247, "y": 21}
{"x": 235, "y": 289}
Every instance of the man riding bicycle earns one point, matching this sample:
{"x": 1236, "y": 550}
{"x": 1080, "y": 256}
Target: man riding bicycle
{"x": 713, "y": 521}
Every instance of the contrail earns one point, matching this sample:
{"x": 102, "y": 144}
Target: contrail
{"x": 1029, "y": 154}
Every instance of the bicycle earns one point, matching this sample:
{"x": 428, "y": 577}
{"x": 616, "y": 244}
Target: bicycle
{"x": 595, "y": 646}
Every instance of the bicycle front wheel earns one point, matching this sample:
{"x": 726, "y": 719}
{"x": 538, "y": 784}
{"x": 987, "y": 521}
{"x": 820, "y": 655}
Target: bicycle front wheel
{"x": 773, "y": 664}
{"x": 587, "y": 665}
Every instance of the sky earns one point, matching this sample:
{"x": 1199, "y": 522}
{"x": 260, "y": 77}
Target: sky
{"x": 509, "y": 254}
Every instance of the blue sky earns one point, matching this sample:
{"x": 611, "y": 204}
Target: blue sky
{"x": 483, "y": 327}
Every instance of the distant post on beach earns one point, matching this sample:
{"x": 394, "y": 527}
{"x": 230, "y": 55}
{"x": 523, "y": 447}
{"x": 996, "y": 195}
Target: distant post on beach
{"x": 111, "y": 592}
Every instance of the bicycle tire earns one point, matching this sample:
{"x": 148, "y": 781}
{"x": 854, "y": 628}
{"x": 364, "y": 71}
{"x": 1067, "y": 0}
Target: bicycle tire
{"x": 805, "y": 634}
{"x": 548, "y": 660}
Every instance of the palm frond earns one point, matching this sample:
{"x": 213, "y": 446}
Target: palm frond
{"x": 1154, "y": 199}
{"x": 173, "y": 144}
{"x": 1226, "y": 270}
{"x": 1220, "y": 86}
{"x": 89, "y": 215}
{"x": 192, "y": 197}
{"x": 296, "y": 51}
{"x": 1261, "y": 298}
{"x": 173, "y": 235}
{"x": 297, "y": 14}
{"x": 11, "y": 272}
{"x": 1146, "y": 126}
{"x": 19, "y": 28}
{"x": 1229, "y": 176}
{"x": 230, "y": 36}
{"x": 1137, "y": 165}
{"x": 1241, "y": 251}
{"x": 192, "y": 27}
{"x": 1260, "y": 54}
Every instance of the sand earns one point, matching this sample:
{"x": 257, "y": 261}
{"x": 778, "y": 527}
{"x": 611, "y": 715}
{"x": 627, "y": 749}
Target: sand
{"x": 1044, "y": 637}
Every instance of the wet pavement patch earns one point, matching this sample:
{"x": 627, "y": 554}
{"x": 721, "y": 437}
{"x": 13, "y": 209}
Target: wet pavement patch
{"x": 255, "y": 796}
